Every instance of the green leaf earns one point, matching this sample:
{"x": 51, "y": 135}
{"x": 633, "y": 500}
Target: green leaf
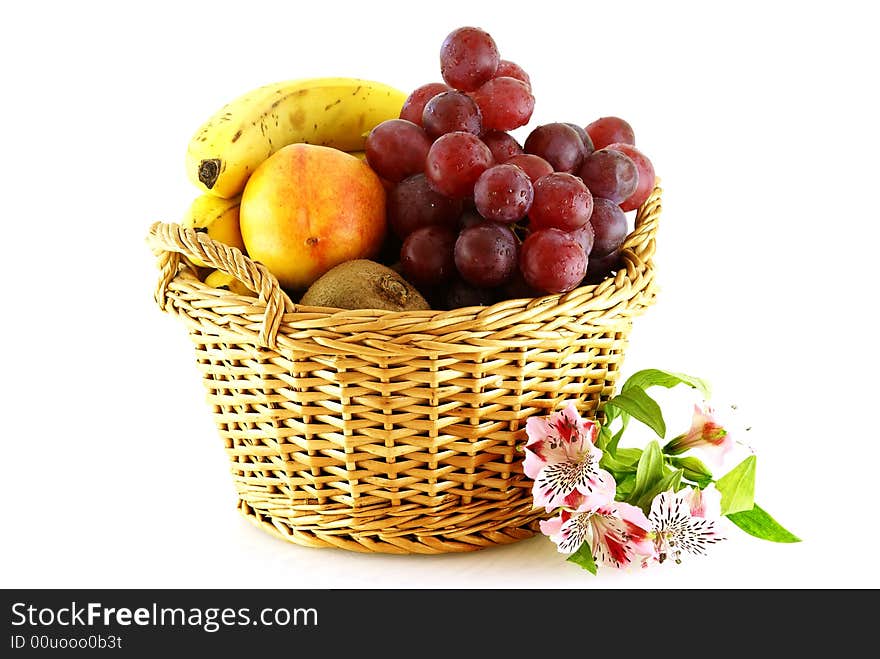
{"x": 670, "y": 481}
{"x": 610, "y": 414}
{"x": 629, "y": 456}
{"x": 655, "y": 377}
{"x": 641, "y": 406}
{"x": 625, "y": 487}
{"x": 617, "y": 468}
{"x": 694, "y": 469}
{"x": 584, "y": 557}
{"x": 737, "y": 487}
{"x": 649, "y": 471}
{"x": 603, "y": 438}
{"x": 624, "y": 462}
{"x": 615, "y": 440}
{"x": 760, "y": 524}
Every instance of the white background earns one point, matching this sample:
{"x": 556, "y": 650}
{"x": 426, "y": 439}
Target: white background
{"x": 759, "y": 117}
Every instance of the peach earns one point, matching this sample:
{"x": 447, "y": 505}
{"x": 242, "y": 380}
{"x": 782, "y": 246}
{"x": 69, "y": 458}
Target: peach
{"x": 307, "y": 208}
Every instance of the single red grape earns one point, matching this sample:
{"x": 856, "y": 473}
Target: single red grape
{"x": 502, "y": 145}
{"x": 448, "y": 112}
{"x": 455, "y": 162}
{"x": 469, "y": 217}
{"x": 585, "y": 236}
{"x": 461, "y": 294}
{"x": 397, "y": 148}
{"x": 561, "y": 201}
{"x": 505, "y": 103}
{"x": 609, "y": 130}
{"x": 559, "y": 144}
{"x": 610, "y": 174}
{"x": 534, "y": 166}
{"x": 508, "y": 69}
{"x": 414, "y": 105}
{"x": 552, "y": 261}
{"x": 486, "y": 254}
{"x": 598, "y": 268}
{"x": 585, "y": 138}
{"x": 516, "y": 288}
{"x": 412, "y": 204}
{"x": 503, "y": 193}
{"x": 427, "y": 255}
{"x": 468, "y": 58}
{"x": 646, "y": 175}
{"x": 609, "y": 227}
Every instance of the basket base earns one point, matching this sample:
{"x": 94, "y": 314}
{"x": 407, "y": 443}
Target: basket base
{"x": 519, "y": 524}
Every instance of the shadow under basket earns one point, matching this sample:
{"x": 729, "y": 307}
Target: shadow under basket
{"x": 394, "y": 432}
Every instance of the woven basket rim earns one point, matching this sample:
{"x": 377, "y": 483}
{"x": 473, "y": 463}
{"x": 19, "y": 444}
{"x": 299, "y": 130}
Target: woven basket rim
{"x": 178, "y": 248}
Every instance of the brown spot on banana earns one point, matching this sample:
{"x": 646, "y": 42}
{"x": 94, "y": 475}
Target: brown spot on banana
{"x": 209, "y": 171}
{"x": 236, "y": 136}
{"x": 298, "y": 118}
{"x": 330, "y": 105}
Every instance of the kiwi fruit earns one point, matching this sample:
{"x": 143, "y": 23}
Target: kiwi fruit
{"x": 363, "y": 284}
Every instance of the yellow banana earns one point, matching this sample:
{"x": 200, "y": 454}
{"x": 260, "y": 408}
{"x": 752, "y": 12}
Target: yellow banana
{"x": 335, "y": 112}
{"x": 218, "y": 217}
{"x": 218, "y": 279}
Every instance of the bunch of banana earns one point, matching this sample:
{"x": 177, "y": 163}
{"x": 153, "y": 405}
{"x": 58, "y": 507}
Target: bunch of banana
{"x": 335, "y": 112}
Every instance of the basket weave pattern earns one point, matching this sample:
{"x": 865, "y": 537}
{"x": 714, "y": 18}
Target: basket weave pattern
{"x": 396, "y": 432}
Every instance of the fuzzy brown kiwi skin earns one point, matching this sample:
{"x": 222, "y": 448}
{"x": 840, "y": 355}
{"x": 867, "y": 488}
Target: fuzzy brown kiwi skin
{"x": 363, "y": 284}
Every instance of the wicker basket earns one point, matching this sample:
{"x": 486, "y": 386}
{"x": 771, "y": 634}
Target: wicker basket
{"x": 394, "y": 432}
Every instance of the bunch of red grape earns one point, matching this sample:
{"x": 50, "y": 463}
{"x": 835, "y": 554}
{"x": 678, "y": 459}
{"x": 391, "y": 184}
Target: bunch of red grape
{"x": 480, "y": 217}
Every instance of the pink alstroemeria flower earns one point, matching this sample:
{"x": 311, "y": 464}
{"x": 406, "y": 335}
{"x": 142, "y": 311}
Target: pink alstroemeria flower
{"x": 618, "y": 534}
{"x": 684, "y": 521}
{"x": 705, "y": 503}
{"x": 706, "y": 432}
{"x": 563, "y": 460}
